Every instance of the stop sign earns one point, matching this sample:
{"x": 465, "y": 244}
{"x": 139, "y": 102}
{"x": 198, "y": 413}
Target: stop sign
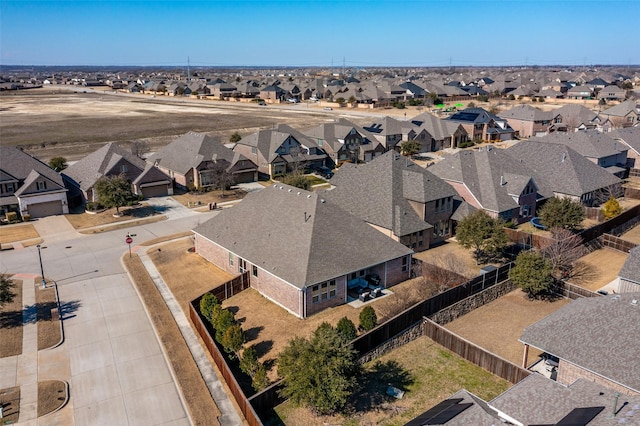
{"x": 129, "y": 240}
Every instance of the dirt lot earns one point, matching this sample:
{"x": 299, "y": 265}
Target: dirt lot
{"x": 498, "y": 325}
{"x": 62, "y": 123}
{"x": 606, "y": 264}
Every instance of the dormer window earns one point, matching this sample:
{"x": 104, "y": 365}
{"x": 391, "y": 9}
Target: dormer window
{"x": 123, "y": 168}
{"x": 41, "y": 185}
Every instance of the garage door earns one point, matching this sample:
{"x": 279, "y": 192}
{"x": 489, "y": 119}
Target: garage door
{"x": 45, "y": 209}
{"x": 155, "y": 191}
{"x": 244, "y": 177}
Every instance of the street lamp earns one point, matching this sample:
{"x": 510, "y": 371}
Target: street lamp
{"x": 44, "y": 283}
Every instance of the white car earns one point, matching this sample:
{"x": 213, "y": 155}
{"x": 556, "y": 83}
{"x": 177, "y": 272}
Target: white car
{"x": 292, "y": 100}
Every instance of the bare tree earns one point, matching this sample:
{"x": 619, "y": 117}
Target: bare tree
{"x": 139, "y": 148}
{"x": 445, "y": 271}
{"x": 564, "y": 254}
{"x": 572, "y": 121}
{"x": 617, "y": 122}
{"x": 221, "y": 177}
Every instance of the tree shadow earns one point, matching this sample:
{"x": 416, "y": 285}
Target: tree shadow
{"x": 372, "y": 391}
{"x": 142, "y": 211}
{"x": 233, "y": 309}
{"x": 253, "y": 333}
{"x": 37, "y": 312}
{"x": 263, "y": 347}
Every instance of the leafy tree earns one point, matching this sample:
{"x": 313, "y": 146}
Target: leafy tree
{"x": 207, "y": 305}
{"x": 58, "y": 163}
{"x": 249, "y": 361}
{"x": 471, "y": 105}
{"x": 6, "y": 293}
{"x": 532, "y": 274}
{"x": 483, "y": 233}
{"x": 233, "y": 339}
{"x": 223, "y": 321}
{"x": 562, "y": 213}
{"x": 352, "y": 99}
{"x": 611, "y": 208}
{"x": 347, "y": 329}
{"x": 368, "y": 318}
{"x": 340, "y": 100}
{"x": 511, "y": 97}
{"x": 297, "y": 179}
{"x": 409, "y": 148}
{"x": 114, "y": 191}
{"x": 320, "y": 373}
{"x": 235, "y": 137}
{"x": 260, "y": 379}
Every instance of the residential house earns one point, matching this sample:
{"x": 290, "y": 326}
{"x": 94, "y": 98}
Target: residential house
{"x": 223, "y": 90}
{"x": 112, "y": 160}
{"x": 625, "y": 114}
{"x": 28, "y": 186}
{"x": 630, "y": 136}
{"x": 273, "y": 94}
{"x": 629, "y": 275}
{"x": 482, "y": 125}
{"x": 594, "y": 338}
{"x": 391, "y": 132}
{"x": 535, "y": 400}
{"x": 596, "y": 146}
{"x": 397, "y": 197}
{"x": 343, "y": 141}
{"x": 612, "y": 93}
{"x": 435, "y": 134}
{"x": 279, "y": 150}
{"x": 300, "y": 251}
{"x": 577, "y": 117}
{"x": 564, "y": 172}
{"x": 580, "y": 92}
{"x": 528, "y": 121}
{"x": 194, "y": 159}
{"x": 491, "y": 180}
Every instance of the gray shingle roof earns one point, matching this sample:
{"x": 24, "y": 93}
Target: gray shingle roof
{"x": 439, "y": 129}
{"x": 492, "y": 176}
{"x": 335, "y": 133}
{"x": 298, "y": 236}
{"x": 538, "y": 400}
{"x": 600, "y": 334}
{"x": 629, "y": 136}
{"x": 623, "y": 108}
{"x": 588, "y": 143}
{"x": 378, "y": 192}
{"x": 268, "y": 141}
{"x": 190, "y": 150}
{"x": 560, "y": 168}
{"x": 527, "y": 113}
{"x": 20, "y": 166}
{"x": 631, "y": 268}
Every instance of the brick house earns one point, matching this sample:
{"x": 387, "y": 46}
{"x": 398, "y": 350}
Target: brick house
{"x": 302, "y": 252}
{"x": 397, "y": 197}
{"x": 528, "y": 121}
{"x": 629, "y": 275}
{"x": 480, "y": 124}
{"x": 191, "y": 161}
{"x": 594, "y": 338}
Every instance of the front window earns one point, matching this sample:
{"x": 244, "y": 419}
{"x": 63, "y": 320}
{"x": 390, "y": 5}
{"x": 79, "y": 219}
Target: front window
{"x": 231, "y": 259}
{"x": 254, "y": 271}
{"x": 405, "y": 264}
{"x": 41, "y": 185}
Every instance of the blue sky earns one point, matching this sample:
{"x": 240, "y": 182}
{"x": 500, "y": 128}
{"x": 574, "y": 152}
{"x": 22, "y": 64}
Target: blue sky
{"x": 319, "y": 33}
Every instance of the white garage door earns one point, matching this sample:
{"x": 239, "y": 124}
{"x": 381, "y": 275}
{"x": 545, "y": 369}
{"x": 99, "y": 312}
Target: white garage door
{"x": 45, "y": 209}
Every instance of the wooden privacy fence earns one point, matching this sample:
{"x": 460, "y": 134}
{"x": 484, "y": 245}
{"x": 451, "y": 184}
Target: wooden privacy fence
{"x": 528, "y": 239}
{"x": 571, "y": 291}
{"x": 617, "y": 243}
{"x": 473, "y": 353}
{"x": 426, "y": 308}
{"x": 244, "y": 404}
{"x": 230, "y": 288}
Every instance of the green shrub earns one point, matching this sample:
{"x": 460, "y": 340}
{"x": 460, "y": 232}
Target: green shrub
{"x": 26, "y": 217}
{"x": 12, "y": 217}
{"x": 368, "y": 318}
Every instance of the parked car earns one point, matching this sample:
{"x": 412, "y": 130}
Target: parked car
{"x": 324, "y": 171}
{"x": 328, "y": 109}
{"x": 292, "y": 100}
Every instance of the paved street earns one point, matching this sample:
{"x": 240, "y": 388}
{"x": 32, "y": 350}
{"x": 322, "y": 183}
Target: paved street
{"x": 111, "y": 357}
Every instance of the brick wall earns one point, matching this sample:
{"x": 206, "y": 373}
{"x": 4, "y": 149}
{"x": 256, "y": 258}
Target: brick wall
{"x": 278, "y": 291}
{"x": 394, "y": 272}
{"x": 569, "y": 373}
{"x": 339, "y": 299}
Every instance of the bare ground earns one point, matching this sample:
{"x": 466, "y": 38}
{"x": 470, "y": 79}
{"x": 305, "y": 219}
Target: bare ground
{"x": 497, "y": 326}
{"x": 632, "y": 235}
{"x": 606, "y": 264}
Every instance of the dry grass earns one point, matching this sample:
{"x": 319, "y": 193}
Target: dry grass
{"x": 632, "y": 235}
{"x": 434, "y": 374}
{"x": 200, "y": 404}
{"x": 10, "y": 400}
{"x": 451, "y": 247}
{"x": 48, "y": 328}
{"x": 606, "y": 264}
{"x": 166, "y": 238}
{"x": 497, "y": 326}
{"x": 124, "y": 225}
{"x": 11, "y": 324}
{"x": 9, "y": 234}
{"x": 51, "y": 396}
{"x": 88, "y": 220}
{"x": 191, "y": 199}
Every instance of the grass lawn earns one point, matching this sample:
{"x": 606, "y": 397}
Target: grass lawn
{"x": 497, "y": 326}
{"x": 191, "y": 199}
{"x": 10, "y": 233}
{"x": 10, "y": 400}
{"x": 606, "y": 264}
{"x": 48, "y": 328}
{"x": 11, "y": 323}
{"x": 427, "y": 372}
{"x": 200, "y": 404}
{"x": 88, "y": 220}
{"x": 51, "y": 395}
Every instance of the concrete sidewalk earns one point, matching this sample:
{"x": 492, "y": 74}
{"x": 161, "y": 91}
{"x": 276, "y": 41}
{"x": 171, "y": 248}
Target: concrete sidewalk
{"x": 228, "y": 415}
